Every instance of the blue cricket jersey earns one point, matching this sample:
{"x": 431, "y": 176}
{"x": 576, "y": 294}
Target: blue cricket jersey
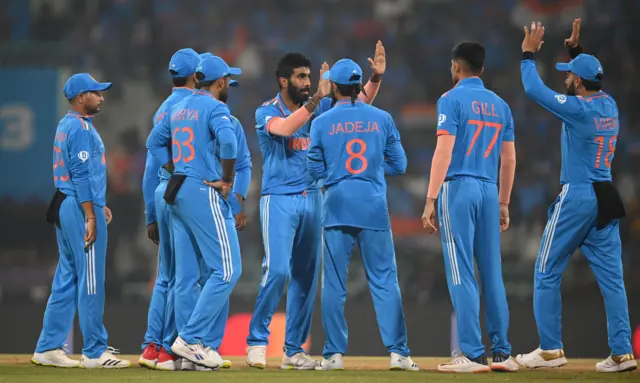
{"x": 153, "y": 171}
{"x": 202, "y": 134}
{"x": 589, "y": 128}
{"x": 284, "y": 167}
{"x": 243, "y": 161}
{"x": 349, "y": 146}
{"x": 79, "y": 167}
{"x": 481, "y": 121}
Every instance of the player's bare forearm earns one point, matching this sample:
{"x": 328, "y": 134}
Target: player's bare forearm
{"x": 313, "y": 102}
{"x": 288, "y": 126}
{"x": 507, "y": 171}
{"x": 87, "y": 207}
{"x": 440, "y": 164}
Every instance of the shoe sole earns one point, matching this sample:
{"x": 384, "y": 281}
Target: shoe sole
{"x": 402, "y": 369}
{"x": 466, "y": 371}
{"x": 632, "y": 367}
{"x": 290, "y": 367}
{"x": 35, "y": 362}
{"x": 560, "y": 362}
{"x": 146, "y": 363}
{"x": 502, "y": 369}
{"x": 257, "y": 365}
{"x": 226, "y": 365}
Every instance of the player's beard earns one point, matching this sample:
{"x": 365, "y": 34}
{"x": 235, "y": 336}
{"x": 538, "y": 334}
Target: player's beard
{"x": 296, "y": 95}
{"x": 224, "y": 95}
{"x": 571, "y": 90}
{"x": 92, "y": 109}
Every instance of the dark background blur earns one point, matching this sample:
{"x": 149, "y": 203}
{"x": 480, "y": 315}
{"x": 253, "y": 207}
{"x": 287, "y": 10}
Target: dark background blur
{"x": 129, "y": 42}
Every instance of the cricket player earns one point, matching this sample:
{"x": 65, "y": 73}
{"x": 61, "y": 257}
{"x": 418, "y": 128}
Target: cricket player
{"x": 349, "y": 146}
{"x": 79, "y": 212}
{"x": 475, "y": 130}
{"x": 161, "y": 329}
{"x": 241, "y": 184}
{"x": 204, "y": 149}
{"x": 586, "y": 213}
{"x": 291, "y": 207}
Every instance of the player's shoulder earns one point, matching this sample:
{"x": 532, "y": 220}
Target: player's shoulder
{"x": 74, "y": 124}
{"x": 269, "y": 107}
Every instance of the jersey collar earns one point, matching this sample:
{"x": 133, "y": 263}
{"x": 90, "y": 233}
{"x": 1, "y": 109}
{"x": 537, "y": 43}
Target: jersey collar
{"x": 181, "y": 89}
{"x": 474, "y": 81}
{"x": 347, "y": 102}
{"x": 78, "y": 115}
{"x": 283, "y": 108}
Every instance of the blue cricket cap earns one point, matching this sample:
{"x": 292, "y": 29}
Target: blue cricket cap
{"x": 344, "y": 72}
{"x": 184, "y": 63}
{"x": 214, "y": 67}
{"x": 584, "y": 66}
{"x": 83, "y": 83}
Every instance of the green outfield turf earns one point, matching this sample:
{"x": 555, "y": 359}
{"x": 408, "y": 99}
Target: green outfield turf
{"x": 16, "y": 368}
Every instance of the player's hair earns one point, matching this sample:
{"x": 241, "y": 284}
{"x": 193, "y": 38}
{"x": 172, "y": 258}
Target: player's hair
{"x": 177, "y": 81}
{"x": 202, "y": 84}
{"x": 352, "y": 90}
{"x": 289, "y": 63}
{"x": 472, "y": 54}
{"x": 593, "y": 86}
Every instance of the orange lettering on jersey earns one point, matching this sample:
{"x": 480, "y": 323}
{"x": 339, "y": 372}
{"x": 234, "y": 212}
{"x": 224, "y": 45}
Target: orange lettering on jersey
{"x": 192, "y": 114}
{"x": 484, "y": 109}
{"x": 299, "y": 143}
{"x": 354, "y": 127}
{"x": 605, "y": 123}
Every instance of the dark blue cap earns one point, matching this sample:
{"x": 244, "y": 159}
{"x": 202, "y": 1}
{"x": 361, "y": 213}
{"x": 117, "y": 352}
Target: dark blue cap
{"x": 344, "y": 72}
{"x": 184, "y": 63}
{"x": 213, "y": 68}
{"x": 83, "y": 83}
{"x": 584, "y": 66}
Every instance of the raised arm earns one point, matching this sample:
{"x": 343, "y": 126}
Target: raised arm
{"x": 567, "y": 108}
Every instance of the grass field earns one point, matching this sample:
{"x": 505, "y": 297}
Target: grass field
{"x": 16, "y": 368}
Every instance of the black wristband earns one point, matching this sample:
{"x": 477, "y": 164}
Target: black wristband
{"x": 227, "y": 180}
{"x": 574, "y": 51}
{"x": 528, "y": 56}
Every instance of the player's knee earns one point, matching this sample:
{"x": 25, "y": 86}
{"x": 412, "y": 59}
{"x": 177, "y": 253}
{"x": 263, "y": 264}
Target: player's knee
{"x": 547, "y": 279}
{"x": 277, "y": 273}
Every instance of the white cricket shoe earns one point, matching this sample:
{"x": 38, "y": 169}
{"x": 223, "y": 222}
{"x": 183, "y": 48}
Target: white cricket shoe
{"x": 106, "y": 360}
{"x": 196, "y": 354}
{"x": 402, "y": 363}
{"x": 226, "y": 364}
{"x": 503, "y": 363}
{"x": 54, "y": 358}
{"x": 299, "y": 361}
{"x": 462, "y": 364}
{"x": 617, "y": 363}
{"x": 333, "y": 363}
{"x": 188, "y": 365}
{"x": 542, "y": 358}
{"x": 257, "y": 356}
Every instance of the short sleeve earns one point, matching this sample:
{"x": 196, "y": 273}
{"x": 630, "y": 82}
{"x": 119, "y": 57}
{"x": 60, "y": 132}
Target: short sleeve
{"x": 263, "y": 115}
{"x": 509, "y": 134}
{"x": 447, "y": 110}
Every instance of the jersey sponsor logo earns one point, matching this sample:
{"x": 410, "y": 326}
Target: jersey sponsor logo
{"x": 561, "y": 98}
{"x": 441, "y": 119}
{"x": 83, "y": 156}
{"x": 299, "y": 143}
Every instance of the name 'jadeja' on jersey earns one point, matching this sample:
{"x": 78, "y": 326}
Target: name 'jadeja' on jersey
{"x": 354, "y": 127}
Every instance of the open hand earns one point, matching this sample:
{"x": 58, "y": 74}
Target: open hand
{"x": 574, "y": 39}
{"x": 379, "y": 61}
{"x": 504, "y": 217}
{"x": 533, "y": 39}
{"x": 153, "y": 233}
{"x": 108, "y": 215}
{"x": 324, "y": 86}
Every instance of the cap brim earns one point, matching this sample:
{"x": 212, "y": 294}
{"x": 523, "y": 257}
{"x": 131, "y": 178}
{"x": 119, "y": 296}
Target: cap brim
{"x": 235, "y": 71}
{"x": 234, "y": 83}
{"x": 326, "y": 75}
{"x": 563, "y": 67}
{"x": 100, "y": 86}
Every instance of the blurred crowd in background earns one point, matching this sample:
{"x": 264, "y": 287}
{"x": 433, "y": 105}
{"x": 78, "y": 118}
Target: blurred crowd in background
{"x": 129, "y": 42}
